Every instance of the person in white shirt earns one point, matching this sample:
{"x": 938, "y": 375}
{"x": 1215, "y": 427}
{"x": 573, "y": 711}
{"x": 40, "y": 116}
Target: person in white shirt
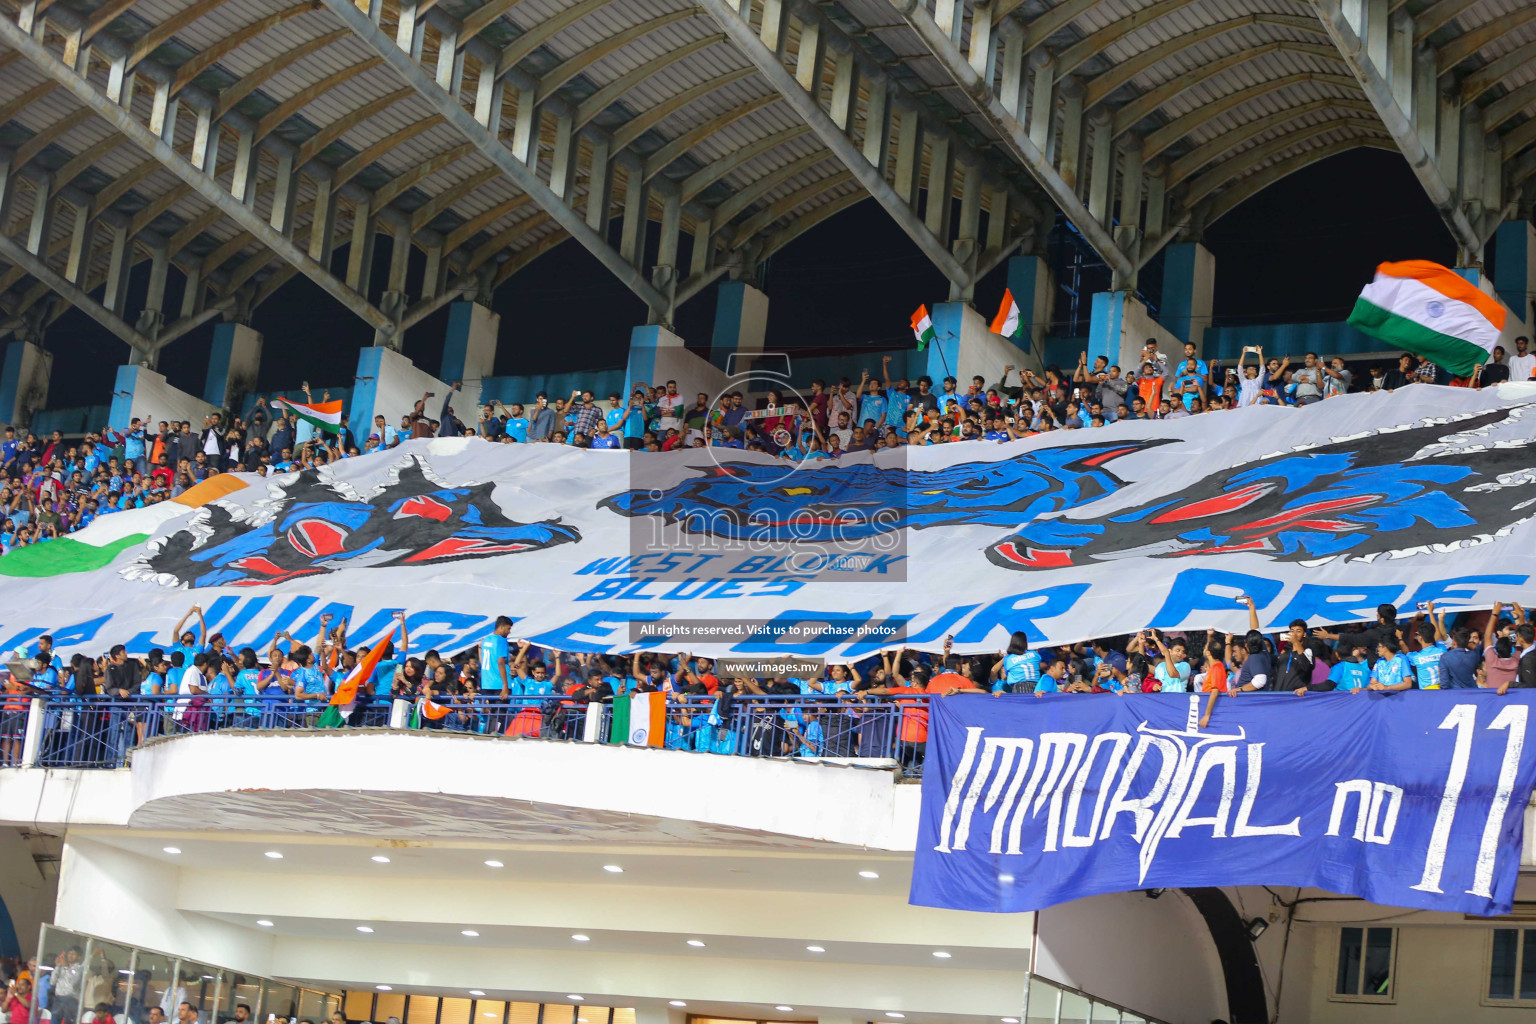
{"x": 190, "y": 681}
{"x": 669, "y": 408}
{"x": 1522, "y": 365}
{"x": 843, "y": 432}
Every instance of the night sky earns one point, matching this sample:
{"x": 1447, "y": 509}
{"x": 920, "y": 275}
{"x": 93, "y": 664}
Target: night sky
{"x": 1298, "y": 252}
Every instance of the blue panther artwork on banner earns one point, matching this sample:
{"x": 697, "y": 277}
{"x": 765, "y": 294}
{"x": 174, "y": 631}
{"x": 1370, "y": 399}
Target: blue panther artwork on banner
{"x": 314, "y": 526}
{"x": 1386, "y": 491}
{"x": 827, "y": 501}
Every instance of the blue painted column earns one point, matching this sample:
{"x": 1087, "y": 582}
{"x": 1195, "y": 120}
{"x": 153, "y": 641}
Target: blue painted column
{"x": 1514, "y": 270}
{"x": 944, "y": 351}
{"x": 1030, "y": 280}
{"x": 23, "y": 383}
{"x": 469, "y": 352}
{"x": 1106, "y": 328}
{"x": 1189, "y": 286}
{"x": 232, "y": 365}
{"x": 741, "y": 322}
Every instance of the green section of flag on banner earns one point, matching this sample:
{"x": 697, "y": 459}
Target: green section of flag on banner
{"x": 65, "y": 555}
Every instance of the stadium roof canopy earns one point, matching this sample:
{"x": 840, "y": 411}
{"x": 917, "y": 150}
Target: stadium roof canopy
{"x": 243, "y": 142}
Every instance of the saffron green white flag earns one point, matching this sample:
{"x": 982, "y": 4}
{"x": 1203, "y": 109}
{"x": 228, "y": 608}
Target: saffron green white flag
{"x": 922, "y": 327}
{"x": 1431, "y": 311}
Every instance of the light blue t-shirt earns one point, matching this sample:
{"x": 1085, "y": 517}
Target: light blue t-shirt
{"x": 614, "y": 417}
{"x": 1021, "y": 668}
{"x": 1047, "y": 684}
{"x": 248, "y": 682}
{"x": 896, "y": 405}
{"x": 1174, "y": 680}
{"x": 531, "y": 687}
{"x": 517, "y": 428}
{"x": 309, "y": 680}
{"x": 872, "y": 408}
{"x": 1426, "y": 663}
{"x": 1350, "y": 675}
{"x": 492, "y": 649}
{"x": 1393, "y": 670}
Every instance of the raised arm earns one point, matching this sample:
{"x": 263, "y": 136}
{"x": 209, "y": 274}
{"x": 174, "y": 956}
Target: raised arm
{"x": 1253, "y": 612}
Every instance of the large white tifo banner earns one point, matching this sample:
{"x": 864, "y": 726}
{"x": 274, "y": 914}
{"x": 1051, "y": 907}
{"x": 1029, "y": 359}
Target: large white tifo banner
{"x": 1320, "y": 513}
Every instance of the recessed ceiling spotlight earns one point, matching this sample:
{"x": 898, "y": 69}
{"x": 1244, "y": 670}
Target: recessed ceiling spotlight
{"x": 494, "y": 864}
{"x": 613, "y": 869}
{"x": 477, "y": 992}
{"x": 815, "y": 949}
{"x": 172, "y": 850}
{"x": 365, "y": 929}
{"x": 384, "y": 988}
{"x": 942, "y": 955}
{"x": 676, "y": 1002}
{"x": 379, "y": 858}
{"x": 697, "y": 943}
{"x": 869, "y": 874}
{"x": 581, "y": 938}
{"x": 264, "y": 923}
{"x": 274, "y": 855}
{"x": 470, "y": 933}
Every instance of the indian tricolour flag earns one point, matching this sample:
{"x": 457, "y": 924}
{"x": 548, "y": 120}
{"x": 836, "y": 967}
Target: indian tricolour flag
{"x": 344, "y": 700}
{"x": 922, "y": 327}
{"x": 108, "y": 536}
{"x": 1431, "y": 311}
{"x": 639, "y": 719}
{"x": 322, "y": 415}
{"x": 1006, "y": 322}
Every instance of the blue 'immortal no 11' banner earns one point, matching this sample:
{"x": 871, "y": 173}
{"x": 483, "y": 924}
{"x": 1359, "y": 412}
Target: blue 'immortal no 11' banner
{"x": 1408, "y": 799}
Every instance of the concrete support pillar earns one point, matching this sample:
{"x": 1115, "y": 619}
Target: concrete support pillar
{"x": 489, "y": 94}
{"x": 469, "y": 352}
{"x": 1399, "y": 69}
{"x": 118, "y": 266}
{"x": 23, "y": 383}
{"x": 323, "y": 227}
{"x": 599, "y": 187}
{"x": 139, "y": 392}
{"x": 1120, "y": 326}
{"x": 967, "y": 244}
{"x": 1042, "y": 73}
{"x": 243, "y": 186}
{"x": 909, "y": 155}
{"x": 152, "y": 317}
{"x": 562, "y": 170}
{"x": 40, "y": 230}
{"x": 1102, "y": 173}
{"x": 525, "y": 136}
{"x": 81, "y": 235}
{"x": 232, "y": 365}
{"x": 637, "y": 201}
{"x": 1514, "y": 271}
{"x": 1071, "y": 132}
{"x": 360, "y": 253}
{"x": 845, "y": 89}
{"x": 941, "y": 165}
{"x": 1426, "y": 96}
{"x": 877, "y": 126}
{"x": 1189, "y": 287}
{"x": 813, "y": 52}
{"x": 964, "y": 346}
{"x": 1010, "y": 92}
{"x": 1156, "y": 177}
{"x": 741, "y": 322}
{"x": 656, "y": 355}
{"x": 389, "y": 384}
{"x": 1034, "y": 291}
{"x": 285, "y": 194}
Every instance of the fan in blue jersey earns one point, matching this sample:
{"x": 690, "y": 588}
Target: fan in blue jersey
{"x": 1019, "y": 669}
{"x": 1426, "y": 660}
{"x": 1392, "y": 671}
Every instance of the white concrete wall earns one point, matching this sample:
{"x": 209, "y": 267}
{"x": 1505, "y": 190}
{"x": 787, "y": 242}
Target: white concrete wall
{"x": 155, "y": 400}
{"x": 984, "y": 353}
{"x": 28, "y": 889}
{"x": 1136, "y": 327}
{"x": 112, "y": 894}
{"x": 397, "y": 385}
{"x": 1152, "y": 956}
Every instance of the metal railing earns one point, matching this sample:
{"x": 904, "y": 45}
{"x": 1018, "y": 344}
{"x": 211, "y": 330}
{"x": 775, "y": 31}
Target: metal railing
{"x": 62, "y": 731}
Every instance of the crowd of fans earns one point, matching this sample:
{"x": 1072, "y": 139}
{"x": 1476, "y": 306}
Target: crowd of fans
{"x": 53, "y": 487}
{"x": 74, "y": 989}
{"x": 511, "y": 687}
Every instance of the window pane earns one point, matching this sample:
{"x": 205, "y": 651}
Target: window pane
{"x": 1528, "y": 969}
{"x": 359, "y": 1005}
{"x": 1501, "y": 964}
{"x": 1378, "y": 962}
{"x": 1042, "y": 1001}
{"x": 1348, "y": 981}
{"x": 1074, "y": 1008}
